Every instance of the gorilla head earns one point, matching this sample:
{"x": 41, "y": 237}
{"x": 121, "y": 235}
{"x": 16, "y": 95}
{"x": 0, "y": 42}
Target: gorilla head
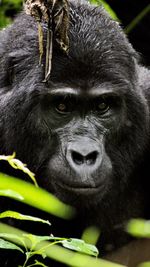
{"x": 84, "y": 132}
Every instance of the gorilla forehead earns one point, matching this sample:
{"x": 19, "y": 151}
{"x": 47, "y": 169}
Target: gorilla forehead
{"x": 98, "y": 48}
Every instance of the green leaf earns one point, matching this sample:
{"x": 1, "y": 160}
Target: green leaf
{"x": 36, "y": 239}
{"x": 17, "y": 164}
{"x": 8, "y": 245}
{"x": 36, "y": 197}
{"x": 11, "y": 193}
{"x": 13, "y": 238}
{"x": 19, "y": 216}
{"x": 139, "y": 228}
{"x": 80, "y": 246}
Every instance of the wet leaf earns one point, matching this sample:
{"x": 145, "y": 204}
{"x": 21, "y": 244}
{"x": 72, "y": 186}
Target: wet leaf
{"x": 8, "y": 245}
{"x": 17, "y": 164}
{"x": 80, "y": 246}
{"x": 19, "y": 216}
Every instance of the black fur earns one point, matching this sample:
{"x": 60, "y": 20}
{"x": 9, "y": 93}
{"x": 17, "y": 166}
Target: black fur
{"x": 109, "y": 186}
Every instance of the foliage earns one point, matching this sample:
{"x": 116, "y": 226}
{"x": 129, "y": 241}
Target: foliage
{"x": 19, "y": 216}
{"x": 32, "y": 244}
{"x": 29, "y": 194}
{"x": 17, "y": 164}
{"x": 40, "y": 245}
{"x": 11, "y": 238}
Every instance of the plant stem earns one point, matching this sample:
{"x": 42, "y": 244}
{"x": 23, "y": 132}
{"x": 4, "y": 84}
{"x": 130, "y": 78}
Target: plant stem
{"x": 137, "y": 19}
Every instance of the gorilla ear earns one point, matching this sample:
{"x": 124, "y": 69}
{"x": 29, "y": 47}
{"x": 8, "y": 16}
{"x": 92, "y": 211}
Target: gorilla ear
{"x": 5, "y": 69}
{"x": 10, "y": 65}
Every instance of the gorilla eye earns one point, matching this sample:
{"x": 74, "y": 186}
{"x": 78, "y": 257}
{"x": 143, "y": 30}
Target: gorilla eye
{"x": 61, "y": 107}
{"x": 103, "y": 107}
{"x": 63, "y": 104}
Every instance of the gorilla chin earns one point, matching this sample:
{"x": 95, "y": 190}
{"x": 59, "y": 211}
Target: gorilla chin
{"x": 84, "y": 187}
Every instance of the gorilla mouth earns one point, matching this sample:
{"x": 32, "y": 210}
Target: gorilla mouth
{"x": 80, "y": 190}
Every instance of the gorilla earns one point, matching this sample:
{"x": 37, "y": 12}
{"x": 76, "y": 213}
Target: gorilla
{"x": 84, "y": 132}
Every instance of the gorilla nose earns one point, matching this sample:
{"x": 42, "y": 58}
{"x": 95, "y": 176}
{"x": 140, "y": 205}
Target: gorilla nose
{"x": 84, "y": 155}
{"x": 78, "y": 158}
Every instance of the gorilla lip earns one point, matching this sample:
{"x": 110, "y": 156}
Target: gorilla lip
{"x": 82, "y": 190}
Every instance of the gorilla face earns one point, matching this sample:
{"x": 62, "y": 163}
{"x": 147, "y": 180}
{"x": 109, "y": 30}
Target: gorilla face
{"x": 80, "y": 164}
{"x": 91, "y": 131}
{"x": 81, "y": 131}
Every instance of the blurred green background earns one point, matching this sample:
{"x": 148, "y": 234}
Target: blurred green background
{"x": 8, "y": 10}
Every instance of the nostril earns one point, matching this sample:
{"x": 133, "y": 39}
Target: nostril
{"x": 80, "y": 159}
{"x": 77, "y": 158}
{"x": 91, "y": 158}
